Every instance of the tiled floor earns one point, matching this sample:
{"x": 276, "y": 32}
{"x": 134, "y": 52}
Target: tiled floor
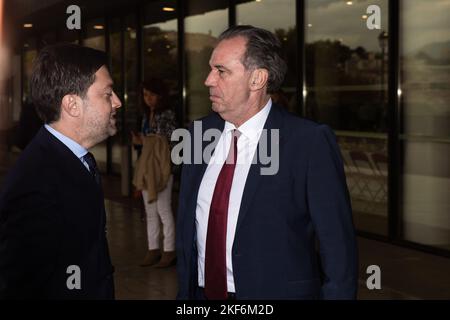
{"x": 127, "y": 241}
{"x": 405, "y": 274}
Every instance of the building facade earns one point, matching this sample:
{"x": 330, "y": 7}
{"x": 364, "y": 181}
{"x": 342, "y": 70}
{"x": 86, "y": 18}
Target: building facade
{"x": 376, "y": 71}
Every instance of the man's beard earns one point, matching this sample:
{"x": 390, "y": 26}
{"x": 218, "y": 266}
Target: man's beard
{"x": 112, "y": 125}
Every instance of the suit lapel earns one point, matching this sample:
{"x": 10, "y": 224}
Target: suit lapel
{"x": 66, "y": 159}
{"x": 77, "y": 173}
{"x": 274, "y": 121}
{"x": 213, "y": 121}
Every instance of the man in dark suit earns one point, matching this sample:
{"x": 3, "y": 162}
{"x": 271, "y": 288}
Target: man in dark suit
{"x": 52, "y": 216}
{"x": 247, "y": 233}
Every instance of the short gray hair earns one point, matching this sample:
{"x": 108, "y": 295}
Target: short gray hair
{"x": 263, "y": 51}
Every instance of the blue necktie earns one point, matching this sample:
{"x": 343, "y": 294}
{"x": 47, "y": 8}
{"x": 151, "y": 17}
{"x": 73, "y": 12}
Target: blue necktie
{"x": 93, "y": 169}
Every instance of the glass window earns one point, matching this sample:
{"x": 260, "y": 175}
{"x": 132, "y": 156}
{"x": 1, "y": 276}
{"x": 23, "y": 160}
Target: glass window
{"x": 115, "y": 53}
{"x": 28, "y": 56}
{"x": 124, "y": 68}
{"x": 425, "y": 132}
{"x": 346, "y": 88}
{"x": 115, "y": 47}
{"x": 66, "y": 35}
{"x": 131, "y": 86}
{"x": 204, "y": 22}
{"x": 160, "y": 53}
{"x": 95, "y": 34}
{"x": 277, "y": 16}
{"x": 46, "y": 39}
{"x": 8, "y": 65}
{"x": 160, "y": 42}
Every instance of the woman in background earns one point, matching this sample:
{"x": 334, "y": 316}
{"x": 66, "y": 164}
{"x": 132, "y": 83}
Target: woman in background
{"x": 160, "y": 120}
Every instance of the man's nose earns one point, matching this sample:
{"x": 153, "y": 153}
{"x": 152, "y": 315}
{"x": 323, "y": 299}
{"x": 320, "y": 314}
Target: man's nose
{"x": 116, "y": 101}
{"x": 210, "y": 79}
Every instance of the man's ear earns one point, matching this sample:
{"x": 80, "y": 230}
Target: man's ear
{"x": 71, "y": 105}
{"x": 258, "y": 79}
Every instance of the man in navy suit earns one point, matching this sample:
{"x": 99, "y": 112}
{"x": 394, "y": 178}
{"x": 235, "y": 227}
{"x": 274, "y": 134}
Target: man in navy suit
{"x": 52, "y": 217}
{"x": 243, "y": 233}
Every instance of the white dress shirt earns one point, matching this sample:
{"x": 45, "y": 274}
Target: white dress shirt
{"x": 247, "y": 143}
{"x": 77, "y": 149}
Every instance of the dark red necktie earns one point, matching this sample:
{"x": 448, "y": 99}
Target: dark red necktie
{"x": 216, "y": 238}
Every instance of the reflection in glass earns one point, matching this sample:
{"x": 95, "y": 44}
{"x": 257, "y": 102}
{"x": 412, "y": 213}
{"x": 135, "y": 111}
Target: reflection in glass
{"x": 95, "y": 34}
{"x": 160, "y": 53}
{"x": 29, "y": 53}
{"x": 204, "y": 23}
{"x": 160, "y": 42}
{"x": 425, "y": 74}
{"x": 277, "y": 16}
{"x": 346, "y": 88}
{"x": 131, "y": 95}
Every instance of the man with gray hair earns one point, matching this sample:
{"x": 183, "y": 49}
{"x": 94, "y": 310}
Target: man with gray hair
{"x": 245, "y": 235}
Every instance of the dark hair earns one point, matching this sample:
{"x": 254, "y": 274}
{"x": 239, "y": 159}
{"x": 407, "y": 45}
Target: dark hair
{"x": 157, "y": 86}
{"x": 263, "y": 51}
{"x": 59, "y": 70}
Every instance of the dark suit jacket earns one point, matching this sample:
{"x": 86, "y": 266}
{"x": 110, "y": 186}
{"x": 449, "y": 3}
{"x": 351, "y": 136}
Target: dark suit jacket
{"x": 280, "y": 218}
{"x": 52, "y": 216}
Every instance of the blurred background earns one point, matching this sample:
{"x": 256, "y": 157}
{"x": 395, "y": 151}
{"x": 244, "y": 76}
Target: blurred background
{"x": 384, "y": 91}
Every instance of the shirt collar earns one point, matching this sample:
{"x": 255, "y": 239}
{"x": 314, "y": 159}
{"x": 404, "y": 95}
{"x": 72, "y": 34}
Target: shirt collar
{"x": 252, "y": 128}
{"x": 77, "y": 149}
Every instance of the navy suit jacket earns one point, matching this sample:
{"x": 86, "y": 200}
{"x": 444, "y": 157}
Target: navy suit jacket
{"x": 284, "y": 220}
{"x": 52, "y": 216}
